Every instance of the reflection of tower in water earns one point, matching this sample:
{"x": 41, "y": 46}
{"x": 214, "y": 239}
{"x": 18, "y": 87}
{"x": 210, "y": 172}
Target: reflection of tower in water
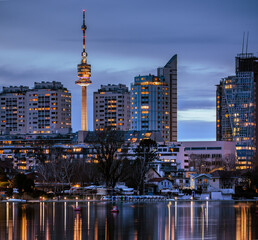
{"x": 77, "y": 227}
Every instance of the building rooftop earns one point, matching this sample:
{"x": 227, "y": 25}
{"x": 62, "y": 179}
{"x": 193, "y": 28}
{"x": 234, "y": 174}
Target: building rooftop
{"x": 15, "y": 89}
{"x": 149, "y": 80}
{"x": 119, "y": 88}
{"x": 37, "y": 85}
{"x": 158, "y": 179}
{"x": 49, "y": 85}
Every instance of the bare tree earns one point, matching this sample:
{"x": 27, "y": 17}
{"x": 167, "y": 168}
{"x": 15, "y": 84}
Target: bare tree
{"x": 229, "y": 162}
{"x": 85, "y": 172}
{"x": 67, "y": 169}
{"x": 106, "y": 144}
{"x": 45, "y": 171}
{"x": 48, "y": 171}
{"x": 197, "y": 162}
{"x": 145, "y": 154}
{"x": 56, "y": 171}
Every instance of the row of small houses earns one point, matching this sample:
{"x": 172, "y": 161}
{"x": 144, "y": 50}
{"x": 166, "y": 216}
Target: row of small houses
{"x": 218, "y": 184}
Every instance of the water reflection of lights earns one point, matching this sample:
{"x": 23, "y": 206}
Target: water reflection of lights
{"x": 203, "y": 212}
{"x": 207, "y": 214}
{"x": 192, "y": 215}
{"x": 77, "y": 235}
{"x": 65, "y": 216}
{"x": 24, "y": 223}
{"x": 175, "y": 214}
{"x": 180, "y": 220}
{"x": 170, "y": 232}
{"x": 7, "y": 214}
{"x": 47, "y": 231}
{"x": 169, "y": 220}
{"x": 243, "y": 222}
{"x": 106, "y": 230}
{"x": 88, "y": 218}
{"x": 96, "y": 229}
{"x": 9, "y": 223}
{"x": 42, "y": 216}
{"x": 13, "y": 213}
{"x": 54, "y": 213}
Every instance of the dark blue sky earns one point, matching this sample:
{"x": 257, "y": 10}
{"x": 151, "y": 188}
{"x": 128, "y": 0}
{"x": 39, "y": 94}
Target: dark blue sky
{"x": 42, "y": 41}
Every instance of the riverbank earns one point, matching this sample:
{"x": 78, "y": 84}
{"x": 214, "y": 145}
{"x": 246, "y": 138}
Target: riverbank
{"x": 125, "y": 201}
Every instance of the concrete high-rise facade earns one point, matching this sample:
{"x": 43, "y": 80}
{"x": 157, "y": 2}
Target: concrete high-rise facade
{"x": 12, "y": 104}
{"x": 44, "y": 109}
{"x": 48, "y": 109}
{"x": 237, "y": 111}
{"x": 84, "y": 73}
{"x": 150, "y": 105}
{"x": 169, "y": 72}
{"x": 112, "y": 108}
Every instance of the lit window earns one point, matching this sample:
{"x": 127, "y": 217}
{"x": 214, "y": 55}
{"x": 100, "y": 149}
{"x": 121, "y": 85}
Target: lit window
{"x": 144, "y": 107}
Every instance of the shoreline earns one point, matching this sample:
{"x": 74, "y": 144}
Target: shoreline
{"x": 127, "y": 201}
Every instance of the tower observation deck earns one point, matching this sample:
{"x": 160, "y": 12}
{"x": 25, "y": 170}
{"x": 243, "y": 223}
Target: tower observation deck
{"x": 84, "y": 73}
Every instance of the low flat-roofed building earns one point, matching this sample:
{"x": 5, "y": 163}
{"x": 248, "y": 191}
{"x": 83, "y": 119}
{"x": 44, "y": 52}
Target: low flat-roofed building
{"x": 213, "y": 153}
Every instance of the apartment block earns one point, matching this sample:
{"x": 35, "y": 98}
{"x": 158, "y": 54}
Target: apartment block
{"x": 44, "y": 109}
{"x": 48, "y": 108}
{"x": 13, "y": 115}
{"x": 112, "y": 108}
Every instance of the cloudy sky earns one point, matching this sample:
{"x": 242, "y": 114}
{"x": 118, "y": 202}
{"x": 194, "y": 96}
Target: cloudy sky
{"x": 42, "y": 41}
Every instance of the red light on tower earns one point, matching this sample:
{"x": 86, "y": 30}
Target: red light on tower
{"x": 83, "y": 10}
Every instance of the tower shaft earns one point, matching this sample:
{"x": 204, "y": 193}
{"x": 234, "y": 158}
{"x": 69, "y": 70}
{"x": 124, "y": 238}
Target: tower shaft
{"x": 84, "y": 125}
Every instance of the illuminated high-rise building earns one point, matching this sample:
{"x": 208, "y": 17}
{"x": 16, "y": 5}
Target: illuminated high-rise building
{"x": 12, "y": 113}
{"x": 150, "y": 104}
{"x": 44, "y": 109}
{"x": 169, "y": 73}
{"x": 84, "y": 73}
{"x": 237, "y": 110}
{"x": 154, "y": 101}
{"x": 112, "y": 108}
{"x": 48, "y": 109}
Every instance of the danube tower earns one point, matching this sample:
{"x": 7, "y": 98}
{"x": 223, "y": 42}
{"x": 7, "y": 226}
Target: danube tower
{"x": 84, "y": 73}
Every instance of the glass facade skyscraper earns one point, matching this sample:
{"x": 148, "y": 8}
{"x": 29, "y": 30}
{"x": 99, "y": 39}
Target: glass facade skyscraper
{"x": 154, "y": 101}
{"x": 236, "y": 109}
{"x": 150, "y": 104}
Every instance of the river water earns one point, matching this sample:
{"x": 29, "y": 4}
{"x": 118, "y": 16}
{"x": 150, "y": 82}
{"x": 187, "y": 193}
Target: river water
{"x": 142, "y": 220}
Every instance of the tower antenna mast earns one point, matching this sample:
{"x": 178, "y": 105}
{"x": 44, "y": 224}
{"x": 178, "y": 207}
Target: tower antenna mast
{"x": 243, "y": 43}
{"x": 247, "y": 42}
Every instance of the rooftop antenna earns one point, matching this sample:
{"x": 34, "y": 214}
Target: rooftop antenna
{"x": 243, "y": 43}
{"x": 247, "y": 42}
